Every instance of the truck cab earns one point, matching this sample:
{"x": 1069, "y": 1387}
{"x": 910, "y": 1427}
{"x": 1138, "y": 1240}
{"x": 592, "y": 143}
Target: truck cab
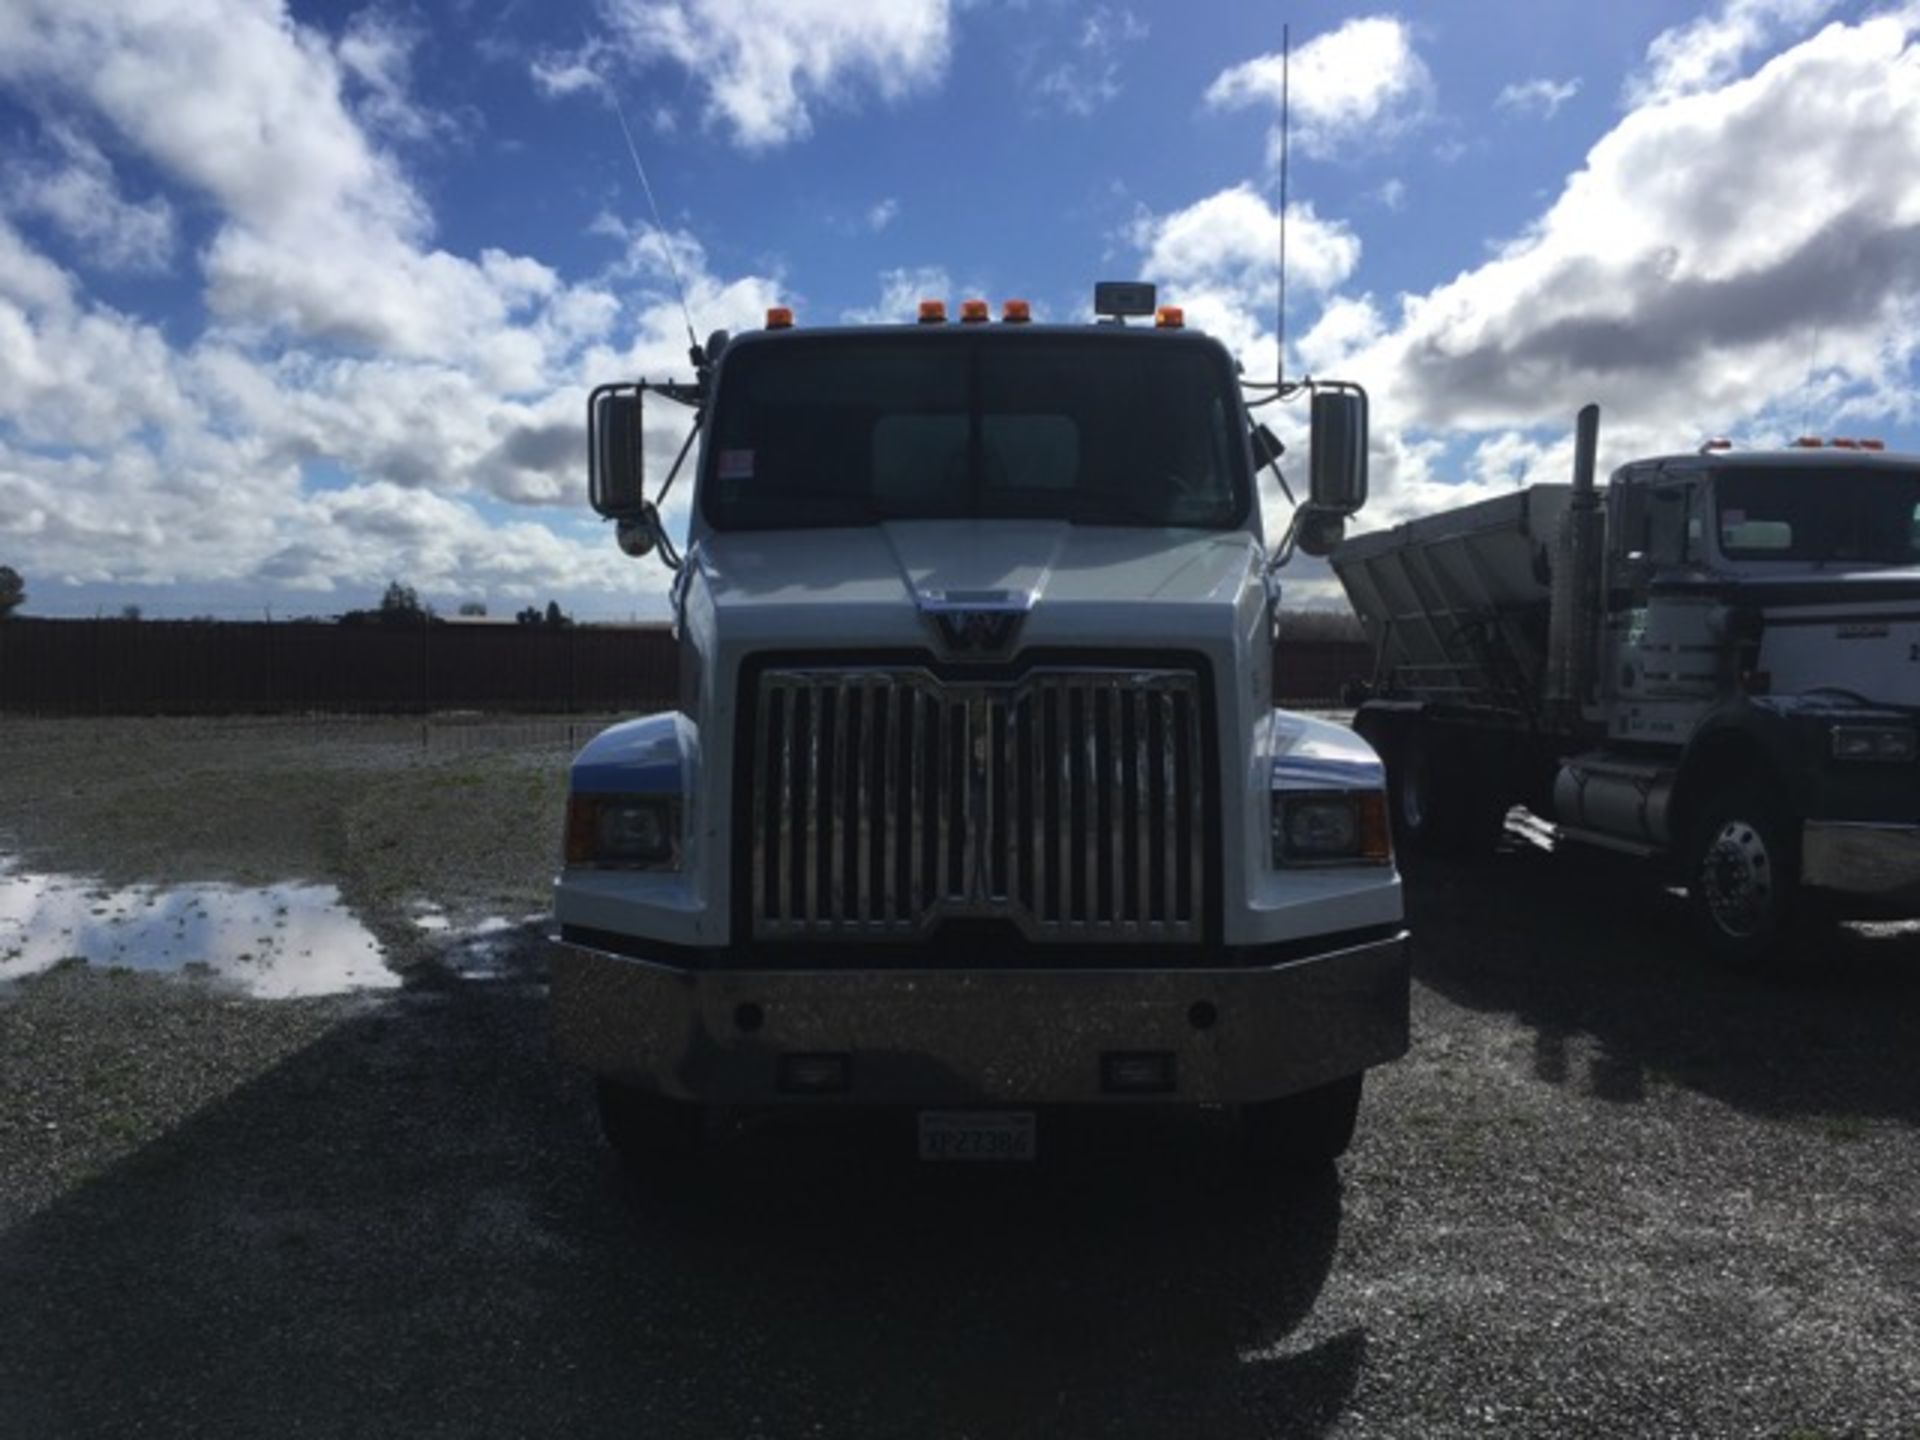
{"x": 974, "y": 799}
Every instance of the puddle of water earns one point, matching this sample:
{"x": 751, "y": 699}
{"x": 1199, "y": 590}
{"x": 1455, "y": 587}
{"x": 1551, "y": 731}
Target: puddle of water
{"x": 481, "y": 951}
{"x": 273, "y": 941}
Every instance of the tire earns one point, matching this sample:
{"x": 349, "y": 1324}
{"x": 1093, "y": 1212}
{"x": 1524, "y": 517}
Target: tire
{"x": 1440, "y": 804}
{"x": 646, "y": 1130}
{"x": 1299, "y": 1131}
{"x": 1743, "y": 876}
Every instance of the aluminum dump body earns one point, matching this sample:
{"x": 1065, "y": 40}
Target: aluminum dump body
{"x": 1456, "y": 604}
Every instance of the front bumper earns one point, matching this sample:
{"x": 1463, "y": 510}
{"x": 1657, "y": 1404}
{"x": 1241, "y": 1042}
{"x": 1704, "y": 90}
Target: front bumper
{"x": 982, "y": 1036}
{"x": 1876, "y": 862}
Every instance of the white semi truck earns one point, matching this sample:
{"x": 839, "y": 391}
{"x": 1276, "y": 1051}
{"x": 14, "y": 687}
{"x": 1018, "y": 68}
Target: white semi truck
{"x": 1713, "y": 662}
{"x": 974, "y": 799}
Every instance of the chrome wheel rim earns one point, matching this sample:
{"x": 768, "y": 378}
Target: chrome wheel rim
{"x": 1736, "y": 875}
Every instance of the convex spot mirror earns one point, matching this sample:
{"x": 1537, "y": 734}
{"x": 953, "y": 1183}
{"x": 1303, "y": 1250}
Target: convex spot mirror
{"x": 616, "y": 467}
{"x": 1339, "y": 478}
{"x": 1319, "y": 534}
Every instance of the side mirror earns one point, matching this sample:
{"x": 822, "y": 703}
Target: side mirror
{"x": 1339, "y": 483}
{"x": 616, "y": 460}
{"x": 1266, "y": 447}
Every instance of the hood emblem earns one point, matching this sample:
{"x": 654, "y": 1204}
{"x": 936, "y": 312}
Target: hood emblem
{"x": 979, "y": 623}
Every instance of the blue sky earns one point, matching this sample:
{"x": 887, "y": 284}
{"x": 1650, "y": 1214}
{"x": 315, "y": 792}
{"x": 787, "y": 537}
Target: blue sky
{"x": 297, "y": 300}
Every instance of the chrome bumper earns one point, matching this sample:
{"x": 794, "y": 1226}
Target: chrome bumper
{"x": 1876, "y": 862}
{"x": 982, "y": 1036}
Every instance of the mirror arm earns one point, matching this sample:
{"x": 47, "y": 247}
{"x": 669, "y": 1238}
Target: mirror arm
{"x": 670, "y": 556}
{"x": 693, "y": 433}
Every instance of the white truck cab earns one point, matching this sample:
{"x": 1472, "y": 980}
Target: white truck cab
{"x": 975, "y": 798}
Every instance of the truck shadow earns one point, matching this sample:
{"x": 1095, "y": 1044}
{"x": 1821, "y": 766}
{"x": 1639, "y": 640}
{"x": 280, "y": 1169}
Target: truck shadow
{"x": 1585, "y": 946}
{"x": 411, "y": 1228}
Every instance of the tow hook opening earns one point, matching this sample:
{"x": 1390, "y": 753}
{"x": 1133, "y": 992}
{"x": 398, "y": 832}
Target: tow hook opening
{"x": 815, "y": 1074}
{"x": 1137, "y": 1072}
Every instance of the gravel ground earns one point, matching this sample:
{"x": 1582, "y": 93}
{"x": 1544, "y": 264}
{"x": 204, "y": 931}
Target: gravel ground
{"x": 1613, "y": 1190}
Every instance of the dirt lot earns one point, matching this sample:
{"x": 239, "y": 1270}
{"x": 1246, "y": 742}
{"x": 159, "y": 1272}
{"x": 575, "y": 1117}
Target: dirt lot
{"x": 1612, "y": 1191}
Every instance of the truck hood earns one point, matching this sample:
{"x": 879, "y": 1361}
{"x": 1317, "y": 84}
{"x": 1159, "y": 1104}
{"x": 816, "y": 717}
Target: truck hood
{"x": 871, "y": 584}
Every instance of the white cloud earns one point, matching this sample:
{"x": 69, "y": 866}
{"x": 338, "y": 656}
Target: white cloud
{"x": 377, "y": 51}
{"x": 1540, "y": 96}
{"x": 1681, "y": 276}
{"x": 1088, "y": 76}
{"x": 882, "y": 214}
{"x": 766, "y": 66}
{"x": 1218, "y": 258}
{"x": 901, "y": 292}
{"x": 435, "y": 382}
{"x": 568, "y": 73}
{"x": 1353, "y": 88}
{"x": 1710, "y": 50}
{"x": 81, "y": 197}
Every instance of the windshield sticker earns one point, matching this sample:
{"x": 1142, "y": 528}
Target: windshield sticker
{"x": 736, "y": 464}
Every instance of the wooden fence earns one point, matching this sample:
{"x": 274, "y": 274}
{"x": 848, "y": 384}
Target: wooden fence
{"x": 163, "y": 667}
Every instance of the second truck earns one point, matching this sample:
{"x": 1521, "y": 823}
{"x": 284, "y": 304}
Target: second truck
{"x": 1713, "y": 661}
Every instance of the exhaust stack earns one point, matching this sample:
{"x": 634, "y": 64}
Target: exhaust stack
{"x": 1573, "y": 622}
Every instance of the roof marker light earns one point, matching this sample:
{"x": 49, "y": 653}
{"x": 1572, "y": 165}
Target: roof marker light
{"x": 1169, "y": 317}
{"x": 933, "y": 312}
{"x": 1719, "y": 442}
{"x": 779, "y": 317}
{"x": 1839, "y": 444}
{"x": 1015, "y": 312}
{"x": 1875, "y": 445}
{"x": 973, "y": 312}
{"x": 1806, "y": 442}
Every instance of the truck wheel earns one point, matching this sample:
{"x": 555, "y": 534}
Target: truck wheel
{"x": 645, "y": 1129}
{"x": 1310, "y": 1128}
{"x": 1440, "y": 806}
{"x": 1742, "y": 877}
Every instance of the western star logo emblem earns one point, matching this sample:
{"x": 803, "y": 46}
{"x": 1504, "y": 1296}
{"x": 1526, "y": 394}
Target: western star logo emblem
{"x": 976, "y": 623}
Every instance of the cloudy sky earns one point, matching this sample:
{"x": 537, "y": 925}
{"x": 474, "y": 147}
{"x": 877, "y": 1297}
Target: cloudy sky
{"x": 298, "y": 299}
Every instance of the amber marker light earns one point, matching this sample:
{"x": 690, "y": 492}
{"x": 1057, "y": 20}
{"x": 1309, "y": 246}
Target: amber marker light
{"x": 973, "y": 312}
{"x": 583, "y": 822}
{"x": 1376, "y": 835}
{"x": 933, "y": 312}
{"x": 1169, "y": 317}
{"x": 780, "y": 317}
{"x": 1015, "y": 312}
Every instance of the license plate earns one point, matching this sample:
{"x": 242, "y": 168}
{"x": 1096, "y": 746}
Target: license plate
{"x": 977, "y": 1134}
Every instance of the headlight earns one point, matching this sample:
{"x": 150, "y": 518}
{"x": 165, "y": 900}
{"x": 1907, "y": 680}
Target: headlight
{"x": 628, "y": 832}
{"x": 1872, "y": 742}
{"x": 1330, "y": 827}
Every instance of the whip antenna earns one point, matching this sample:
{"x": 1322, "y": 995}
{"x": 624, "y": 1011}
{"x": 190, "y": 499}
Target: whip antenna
{"x": 659, "y": 230}
{"x": 1280, "y": 320}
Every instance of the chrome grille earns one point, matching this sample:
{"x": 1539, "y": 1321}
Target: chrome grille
{"x": 1072, "y": 802}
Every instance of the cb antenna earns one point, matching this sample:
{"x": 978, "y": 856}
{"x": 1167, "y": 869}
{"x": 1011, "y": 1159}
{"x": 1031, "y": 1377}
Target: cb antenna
{"x": 1280, "y": 320}
{"x": 659, "y": 230}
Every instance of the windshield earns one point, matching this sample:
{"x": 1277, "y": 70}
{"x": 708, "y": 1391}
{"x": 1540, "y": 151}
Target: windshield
{"x": 1795, "y": 513}
{"x": 1105, "y": 429}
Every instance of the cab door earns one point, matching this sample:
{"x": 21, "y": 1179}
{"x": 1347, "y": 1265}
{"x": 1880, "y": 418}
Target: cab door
{"x": 1660, "y": 667}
